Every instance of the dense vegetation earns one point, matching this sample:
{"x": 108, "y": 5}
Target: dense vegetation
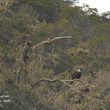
{"x": 34, "y": 21}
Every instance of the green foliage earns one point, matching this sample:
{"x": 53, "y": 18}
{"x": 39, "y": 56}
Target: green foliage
{"x": 48, "y": 9}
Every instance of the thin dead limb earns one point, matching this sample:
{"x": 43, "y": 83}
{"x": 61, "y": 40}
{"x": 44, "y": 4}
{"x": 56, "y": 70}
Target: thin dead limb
{"x": 48, "y": 41}
{"x": 52, "y": 81}
{"x": 64, "y": 82}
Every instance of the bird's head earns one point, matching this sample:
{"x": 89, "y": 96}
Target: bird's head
{"x": 79, "y": 70}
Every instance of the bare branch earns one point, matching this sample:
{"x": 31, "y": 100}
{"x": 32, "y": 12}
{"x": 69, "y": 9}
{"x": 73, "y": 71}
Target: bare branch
{"x": 52, "y": 81}
{"x": 48, "y": 41}
{"x": 64, "y": 82}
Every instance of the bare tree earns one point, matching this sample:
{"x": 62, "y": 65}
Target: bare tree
{"x": 25, "y": 53}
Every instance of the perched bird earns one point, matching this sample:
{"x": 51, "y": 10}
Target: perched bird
{"x": 76, "y": 74}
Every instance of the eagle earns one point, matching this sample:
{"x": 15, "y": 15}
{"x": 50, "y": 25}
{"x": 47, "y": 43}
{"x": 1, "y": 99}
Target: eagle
{"x": 77, "y": 74}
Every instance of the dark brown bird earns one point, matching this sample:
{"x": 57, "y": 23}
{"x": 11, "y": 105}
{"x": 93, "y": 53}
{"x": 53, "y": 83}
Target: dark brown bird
{"x": 77, "y": 74}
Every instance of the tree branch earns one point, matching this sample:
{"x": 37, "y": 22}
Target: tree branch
{"x": 48, "y": 41}
{"x": 64, "y": 82}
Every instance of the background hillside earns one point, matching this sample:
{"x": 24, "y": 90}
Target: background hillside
{"x": 39, "y": 78}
